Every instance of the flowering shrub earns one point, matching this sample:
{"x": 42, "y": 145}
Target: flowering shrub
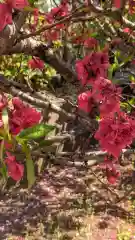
{"x": 116, "y": 128}
{"x": 20, "y": 123}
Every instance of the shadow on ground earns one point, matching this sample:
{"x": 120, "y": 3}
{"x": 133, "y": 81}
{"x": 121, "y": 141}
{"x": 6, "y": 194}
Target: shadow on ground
{"x": 56, "y": 206}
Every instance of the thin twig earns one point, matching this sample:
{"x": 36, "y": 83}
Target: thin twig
{"x": 127, "y": 193}
{"x": 107, "y": 188}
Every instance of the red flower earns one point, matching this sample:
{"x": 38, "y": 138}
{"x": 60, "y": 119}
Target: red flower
{"x": 117, "y": 3}
{"x": 35, "y": 15}
{"x": 133, "y": 61}
{"x": 15, "y": 170}
{"x": 108, "y": 95}
{"x": 85, "y": 101}
{"x": 3, "y": 101}
{"x": 127, "y": 30}
{"x": 6, "y": 15}
{"x": 22, "y": 117}
{"x": 36, "y": 63}
{"x": 17, "y": 103}
{"x": 111, "y": 171}
{"x": 112, "y": 175}
{"x": 115, "y": 133}
{"x": 17, "y": 4}
{"x": 90, "y": 42}
{"x": 107, "y": 163}
{"x": 57, "y": 13}
{"x": 82, "y": 72}
{"x": 99, "y": 63}
{"x": 7, "y": 145}
{"x": 30, "y": 117}
{"x": 52, "y": 35}
{"x": 91, "y": 67}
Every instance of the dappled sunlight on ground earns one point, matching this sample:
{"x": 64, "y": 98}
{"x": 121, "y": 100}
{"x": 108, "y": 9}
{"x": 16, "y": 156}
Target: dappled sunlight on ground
{"x": 66, "y": 203}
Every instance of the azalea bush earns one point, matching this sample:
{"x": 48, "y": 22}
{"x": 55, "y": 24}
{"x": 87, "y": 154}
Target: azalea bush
{"x": 97, "y": 33}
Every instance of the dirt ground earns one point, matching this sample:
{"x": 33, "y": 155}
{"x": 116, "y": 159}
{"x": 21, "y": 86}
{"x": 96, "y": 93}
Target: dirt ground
{"x": 68, "y": 203}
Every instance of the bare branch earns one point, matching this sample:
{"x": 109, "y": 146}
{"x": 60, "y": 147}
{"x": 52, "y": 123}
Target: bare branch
{"x": 105, "y": 186}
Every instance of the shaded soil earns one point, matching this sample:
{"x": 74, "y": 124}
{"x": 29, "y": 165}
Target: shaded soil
{"x": 67, "y": 203}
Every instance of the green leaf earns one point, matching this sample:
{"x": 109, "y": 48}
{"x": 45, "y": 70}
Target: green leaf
{"x": 29, "y": 166}
{"x": 36, "y": 132}
{"x": 116, "y": 61}
{"x": 32, "y": 2}
{"x": 3, "y": 169}
{"x": 45, "y": 143}
{"x": 5, "y": 117}
{"x": 28, "y": 9}
{"x": 132, "y": 78}
{"x": 2, "y": 133}
{"x": 1, "y": 151}
{"x": 94, "y": 34}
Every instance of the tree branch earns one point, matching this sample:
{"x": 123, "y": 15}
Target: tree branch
{"x": 10, "y": 32}
{"x": 35, "y": 48}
